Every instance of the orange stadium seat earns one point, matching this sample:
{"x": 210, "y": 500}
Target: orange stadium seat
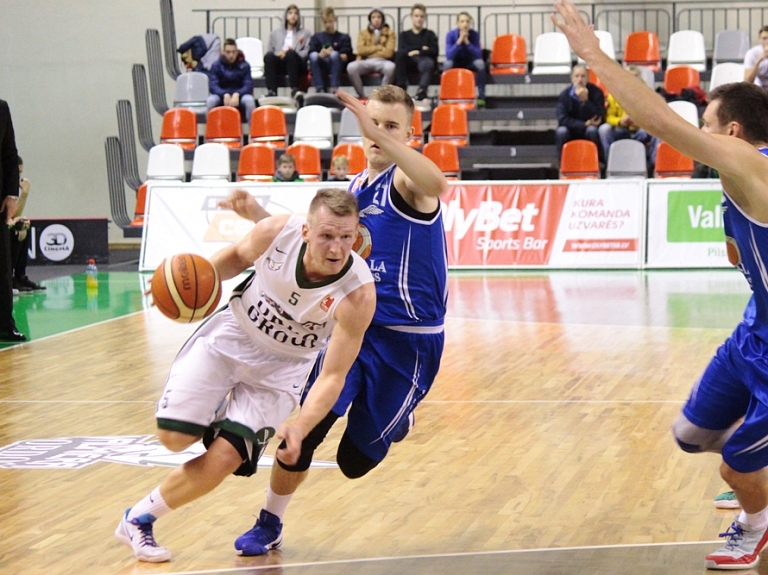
{"x": 417, "y": 139}
{"x": 179, "y": 127}
{"x": 307, "y": 161}
{"x": 509, "y": 55}
{"x": 642, "y": 49}
{"x": 677, "y": 79}
{"x": 257, "y": 163}
{"x": 354, "y": 153}
{"x": 457, "y": 86}
{"x": 445, "y": 155}
{"x": 268, "y": 126}
{"x": 672, "y": 164}
{"x": 449, "y": 122}
{"x": 593, "y": 79}
{"x": 141, "y": 205}
{"x": 224, "y": 126}
{"x": 579, "y": 161}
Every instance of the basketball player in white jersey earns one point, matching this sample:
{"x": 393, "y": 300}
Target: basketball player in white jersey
{"x": 241, "y": 374}
{"x": 727, "y": 410}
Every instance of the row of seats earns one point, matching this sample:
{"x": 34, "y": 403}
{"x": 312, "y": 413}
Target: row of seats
{"x": 552, "y": 53}
{"x": 627, "y": 158}
{"x": 314, "y": 126}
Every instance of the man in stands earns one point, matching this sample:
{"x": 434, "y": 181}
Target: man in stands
{"x": 329, "y": 52}
{"x": 463, "y": 50}
{"x": 287, "y": 53}
{"x": 417, "y": 50}
{"x": 756, "y": 61}
{"x": 230, "y": 81}
{"x": 375, "y": 49}
{"x": 580, "y": 110}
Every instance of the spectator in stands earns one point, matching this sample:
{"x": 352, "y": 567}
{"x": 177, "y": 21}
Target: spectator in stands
{"x": 463, "y": 50}
{"x": 287, "y": 52}
{"x": 286, "y": 170}
{"x": 756, "y": 61}
{"x": 339, "y": 169}
{"x": 230, "y": 81}
{"x": 329, "y": 52}
{"x": 417, "y": 51}
{"x": 580, "y": 110}
{"x": 20, "y": 239}
{"x": 619, "y": 126}
{"x": 375, "y": 50}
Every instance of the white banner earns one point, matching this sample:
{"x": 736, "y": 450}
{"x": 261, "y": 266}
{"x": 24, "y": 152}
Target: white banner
{"x": 685, "y": 224}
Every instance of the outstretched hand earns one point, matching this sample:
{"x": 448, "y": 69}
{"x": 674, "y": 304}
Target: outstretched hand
{"x": 364, "y": 120}
{"x": 242, "y": 203}
{"x": 581, "y": 36}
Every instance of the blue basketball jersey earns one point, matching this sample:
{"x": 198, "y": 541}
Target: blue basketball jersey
{"x": 408, "y": 258}
{"x": 747, "y": 242}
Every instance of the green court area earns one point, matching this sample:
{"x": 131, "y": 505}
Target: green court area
{"x": 68, "y": 304}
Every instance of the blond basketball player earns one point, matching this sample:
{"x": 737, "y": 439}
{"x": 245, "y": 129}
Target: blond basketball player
{"x": 240, "y": 375}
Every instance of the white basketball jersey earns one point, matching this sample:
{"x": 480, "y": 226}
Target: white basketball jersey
{"x": 284, "y": 312}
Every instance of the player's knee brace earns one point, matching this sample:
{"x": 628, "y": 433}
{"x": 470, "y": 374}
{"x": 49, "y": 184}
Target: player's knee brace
{"x": 310, "y": 443}
{"x": 353, "y": 462}
{"x": 694, "y": 439}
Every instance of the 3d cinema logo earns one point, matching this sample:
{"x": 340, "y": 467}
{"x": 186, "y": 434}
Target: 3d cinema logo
{"x": 489, "y": 216}
{"x": 695, "y": 216}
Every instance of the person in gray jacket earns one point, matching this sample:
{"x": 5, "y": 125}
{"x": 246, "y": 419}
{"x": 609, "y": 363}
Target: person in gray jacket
{"x": 287, "y": 52}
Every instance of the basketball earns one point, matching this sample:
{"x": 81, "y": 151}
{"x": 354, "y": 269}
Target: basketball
{"x": 362, "y": 243}
{"x": 186, "y": 288}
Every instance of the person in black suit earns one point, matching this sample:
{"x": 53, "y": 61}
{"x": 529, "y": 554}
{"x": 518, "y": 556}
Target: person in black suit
{"x": 9, "y": 190}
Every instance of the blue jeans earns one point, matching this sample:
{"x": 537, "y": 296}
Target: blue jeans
{"x": 564, "y": 134}
{"x": 247, "y": 105}
{"x": 323, "y": 67}
{"x": 610, "y": 134}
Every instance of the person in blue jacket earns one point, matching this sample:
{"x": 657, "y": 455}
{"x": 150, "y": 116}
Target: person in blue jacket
{"x": 230, "y": 81}
{"x": 329, "y": 53}
{"x": 463, "y": 50}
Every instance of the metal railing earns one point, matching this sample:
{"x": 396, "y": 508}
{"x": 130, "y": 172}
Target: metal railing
{"x": 527, "y": 20}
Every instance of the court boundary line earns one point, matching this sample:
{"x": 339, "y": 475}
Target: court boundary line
{"x": 436, "y": 556}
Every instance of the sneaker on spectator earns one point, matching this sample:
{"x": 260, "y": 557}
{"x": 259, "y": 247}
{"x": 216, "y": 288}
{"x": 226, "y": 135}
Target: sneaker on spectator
{"x": 741, "y": 550}
{"x": 727, "y": 500}
{"x": 265, "y": 535}
{"x": 420, "y": 95}
{"x": 271, "y": 93}
{"x": 298, "y": 97}
{"x": 25, "y": 281}
{"x": 137, "y": 534}
{"x": 481, "y": 103}
{"x": 402, "y": 431}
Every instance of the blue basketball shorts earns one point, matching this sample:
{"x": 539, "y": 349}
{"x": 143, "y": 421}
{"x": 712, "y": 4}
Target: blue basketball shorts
{"x": 735, "y": 385}
{"x": 392, "y": 373}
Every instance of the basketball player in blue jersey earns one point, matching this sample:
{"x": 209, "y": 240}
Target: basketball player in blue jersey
{"x": 733, "y": 140}
{"x": 398, "y": 195}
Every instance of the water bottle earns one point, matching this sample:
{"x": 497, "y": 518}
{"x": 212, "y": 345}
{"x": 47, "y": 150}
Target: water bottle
{"x": 91, "y": 276}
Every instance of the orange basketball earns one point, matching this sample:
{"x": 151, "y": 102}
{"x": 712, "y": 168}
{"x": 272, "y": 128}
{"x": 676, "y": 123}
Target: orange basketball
{"x": 362, "y": 243}
{"x": 186, "y": 288}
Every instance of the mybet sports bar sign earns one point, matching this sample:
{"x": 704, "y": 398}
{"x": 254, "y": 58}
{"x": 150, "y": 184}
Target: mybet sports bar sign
{"x": 548, "y": 224}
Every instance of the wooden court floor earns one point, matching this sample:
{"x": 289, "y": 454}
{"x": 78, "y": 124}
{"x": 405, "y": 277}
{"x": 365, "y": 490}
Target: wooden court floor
{"x": 544, "y": 446}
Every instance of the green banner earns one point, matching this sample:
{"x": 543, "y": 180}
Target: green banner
{"x": 695, "y": 216}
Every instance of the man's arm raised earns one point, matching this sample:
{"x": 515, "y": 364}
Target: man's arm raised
{"x": 417, "y": 177}
{"x": 732, "y": 157}
{"x": 353, "y": 314}
{"x": 244, "y": 205}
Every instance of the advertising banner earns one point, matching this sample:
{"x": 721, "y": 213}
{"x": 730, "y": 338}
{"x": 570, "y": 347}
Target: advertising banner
{"x": 576, "y": 224}
{"x": 68, "y": 241}
{"x": 685, "y": 224}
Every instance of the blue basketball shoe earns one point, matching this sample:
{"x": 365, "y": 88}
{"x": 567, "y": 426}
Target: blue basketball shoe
{"x": 265, "y": 535}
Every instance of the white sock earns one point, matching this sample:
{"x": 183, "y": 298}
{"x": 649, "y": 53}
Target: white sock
{"x": 152, "y": 503}
{"x": 755, "y": 520}
{"x": 277, "y": 504}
